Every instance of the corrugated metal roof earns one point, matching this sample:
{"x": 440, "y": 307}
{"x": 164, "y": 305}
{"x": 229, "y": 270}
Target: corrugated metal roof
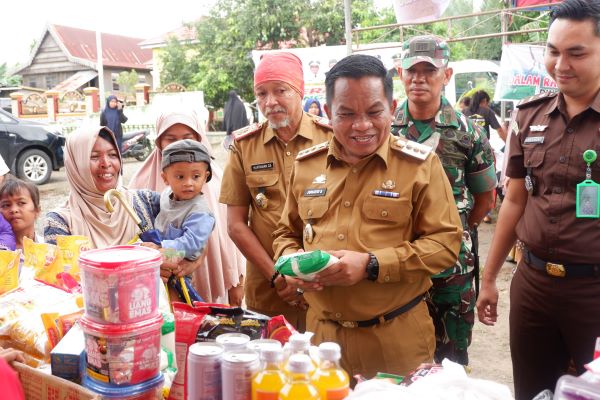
{"x": 117, "y": 51}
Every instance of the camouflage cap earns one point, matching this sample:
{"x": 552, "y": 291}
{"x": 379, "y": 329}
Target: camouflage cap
{"x": 431, "y": 49}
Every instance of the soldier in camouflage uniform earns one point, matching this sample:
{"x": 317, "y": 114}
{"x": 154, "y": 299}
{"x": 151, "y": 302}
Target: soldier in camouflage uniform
{"x": 427, "y": 117}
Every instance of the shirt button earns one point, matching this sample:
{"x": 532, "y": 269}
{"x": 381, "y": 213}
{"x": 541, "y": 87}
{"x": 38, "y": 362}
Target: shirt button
{"x": 289, "y": 153}
{"x": 341, "y": 236}
{"x": 309, "y": 212}
{"x": 553, "y": 220}
{"x": 354, "y": 170}
{"x": 386, "y": 278}
{"x": 261, "y": 179}
{"x": 347, "y": 203}
{"x": 557, "y": 190}
{"x": 551, "y": 251}
{"x": 569, "y": 130}
{"x": 384, "y": 213}
{"x": 562, "y": 159}
{"x": 338, "y": 315}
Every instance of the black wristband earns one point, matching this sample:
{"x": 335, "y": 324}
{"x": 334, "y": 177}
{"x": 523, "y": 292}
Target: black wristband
{"x": 372, "y": 268}
{"x": 275, "y": 275}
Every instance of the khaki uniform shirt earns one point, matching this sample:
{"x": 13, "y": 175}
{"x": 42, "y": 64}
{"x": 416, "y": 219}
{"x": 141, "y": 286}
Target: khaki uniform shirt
{"x": 414, "y": 235}
{"x": 552, "y": 146}
{"x": 260, "y": 162}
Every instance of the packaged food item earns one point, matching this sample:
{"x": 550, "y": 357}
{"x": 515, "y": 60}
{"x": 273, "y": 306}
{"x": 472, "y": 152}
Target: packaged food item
{"x": 124, "y": 354}
{"x": 9, "y": 270}
{"x": 70, "y": 247}
{"x": 204, "y": 371}
{"x": 120, "y": 283}
{"x": 57, "y": 326}
{"x": 280, "y": 329}
{"x": 67, "y": 357}
{"x": 44, "y": 258}
{"x": 147, "y": 390}
{"x": 304, "y": 265}
{"x": 420, "y": 372}
{"x": 237, "y": 370}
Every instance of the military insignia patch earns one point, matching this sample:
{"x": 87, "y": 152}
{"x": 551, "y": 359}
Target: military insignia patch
{"x": 322, "y": 121}
{"x": 247, "y": 131}
{"x": 312, "y": 150}
{"x": 320, "y": 179}
{"x": 412, "y": 149}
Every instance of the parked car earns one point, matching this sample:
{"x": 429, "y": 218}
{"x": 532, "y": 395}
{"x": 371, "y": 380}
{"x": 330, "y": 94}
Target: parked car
{"x": 32, "y": 150}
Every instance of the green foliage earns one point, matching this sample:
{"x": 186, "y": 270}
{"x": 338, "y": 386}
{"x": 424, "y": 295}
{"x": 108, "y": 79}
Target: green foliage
{"x": 6, "y": 79}
{"x": 176, "y": 65}
{"x": 127, "y": 82}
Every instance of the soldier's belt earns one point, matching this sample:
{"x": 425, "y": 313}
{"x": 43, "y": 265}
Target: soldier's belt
{"x": 561, "y": 270}
{"x": 382, "y": 318}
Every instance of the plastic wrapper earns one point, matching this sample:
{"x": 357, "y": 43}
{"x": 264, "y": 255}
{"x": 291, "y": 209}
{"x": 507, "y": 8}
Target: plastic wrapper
{"x": 44, "y": 258}
{"x": 70, "y": 247}
{"x": 280, "y": 329}
{"x": 304, "y": 265}
{"x": 9, "y": 270}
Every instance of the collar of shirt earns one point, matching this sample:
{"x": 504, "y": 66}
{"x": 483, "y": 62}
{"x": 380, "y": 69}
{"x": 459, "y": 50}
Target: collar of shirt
{"x": 558, "y": 104}
{"x": 304, "y": 130}
{"x": 334, "y": 151}
{"x": 445, "y": 117}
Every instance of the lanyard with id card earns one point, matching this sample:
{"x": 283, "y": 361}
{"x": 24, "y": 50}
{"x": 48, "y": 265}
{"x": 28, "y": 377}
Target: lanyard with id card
{"x": 587, "y": 202}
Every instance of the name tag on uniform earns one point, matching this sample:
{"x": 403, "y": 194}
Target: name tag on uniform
{"x": 315, "y": 192}
{"x": 534, "y": 139}
{"x": 263, "y": 166}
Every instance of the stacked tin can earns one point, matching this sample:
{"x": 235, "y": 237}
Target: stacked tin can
{"x": 122, "y": 324}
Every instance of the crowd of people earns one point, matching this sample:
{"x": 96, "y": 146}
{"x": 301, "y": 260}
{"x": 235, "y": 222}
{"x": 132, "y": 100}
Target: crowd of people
{"x": 400, "y": 211}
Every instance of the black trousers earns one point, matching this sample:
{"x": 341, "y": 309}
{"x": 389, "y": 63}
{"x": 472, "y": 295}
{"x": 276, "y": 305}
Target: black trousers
{"x": 552, "y": 321}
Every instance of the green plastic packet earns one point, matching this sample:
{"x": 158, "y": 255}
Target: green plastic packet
{"x": 304, "y": 265}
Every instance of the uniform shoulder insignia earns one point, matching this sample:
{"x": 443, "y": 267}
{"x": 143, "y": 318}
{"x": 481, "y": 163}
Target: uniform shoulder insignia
{"x": 247, "y": 131}
{"x": 536, "y": 99}
{"x": 302, "y": 154}
{"x": 410, "y": 148}
{"x": 322, "y": 121}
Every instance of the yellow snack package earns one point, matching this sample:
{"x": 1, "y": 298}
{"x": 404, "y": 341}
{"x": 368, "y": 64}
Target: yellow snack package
{"x": 70, "y": 247}
{"x": 9, "y": 270}
{"x": 44, "y": 258}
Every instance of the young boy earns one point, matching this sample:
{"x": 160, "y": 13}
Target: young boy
{"x": 185, "y": 221}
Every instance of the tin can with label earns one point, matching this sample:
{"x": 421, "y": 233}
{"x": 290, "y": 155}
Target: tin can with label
{"x": 204, "y": 371}
{"x": 237, "y": 370}
{"x": 233, "y": 341}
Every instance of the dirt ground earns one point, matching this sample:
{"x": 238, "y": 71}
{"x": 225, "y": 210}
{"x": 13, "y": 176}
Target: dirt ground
{"x": 489, "y": 352}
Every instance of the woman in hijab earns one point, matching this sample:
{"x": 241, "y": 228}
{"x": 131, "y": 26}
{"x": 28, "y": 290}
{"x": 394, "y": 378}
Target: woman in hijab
{"x": 112, "y": 117}
{"x": 234, "y": 113}
{"x": 313, "y": 107}
{"x": 93, "y": 166}
{"x": 224, "y": 264}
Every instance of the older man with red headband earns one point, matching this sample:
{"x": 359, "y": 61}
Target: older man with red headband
{"x": 256, "y": 178}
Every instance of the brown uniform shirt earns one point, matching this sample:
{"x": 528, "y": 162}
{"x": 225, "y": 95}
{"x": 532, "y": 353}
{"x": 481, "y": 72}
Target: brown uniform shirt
{"x": 260, "y": 162}
{"x": 552, "y": 146}
{"x": 413, "y": 236}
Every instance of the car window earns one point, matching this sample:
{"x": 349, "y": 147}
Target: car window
{"x": 5, "y": 119}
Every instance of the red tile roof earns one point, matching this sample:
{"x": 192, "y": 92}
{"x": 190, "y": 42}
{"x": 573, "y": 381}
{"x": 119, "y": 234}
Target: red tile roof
{"x": 183, "y": 34}
{"x": 117, "y": 51}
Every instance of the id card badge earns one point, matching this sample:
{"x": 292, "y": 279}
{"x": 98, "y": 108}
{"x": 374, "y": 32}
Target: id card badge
{"x": 587, "y": 201}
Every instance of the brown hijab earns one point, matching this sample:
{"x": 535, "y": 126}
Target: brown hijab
{"x": 84, "y": 211}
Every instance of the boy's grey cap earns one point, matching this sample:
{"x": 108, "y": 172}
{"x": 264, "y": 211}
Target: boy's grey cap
{"x": 186, "y": 150}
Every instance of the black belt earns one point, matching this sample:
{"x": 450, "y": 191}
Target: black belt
{"x": 561, "y": 270}
{"x": 383, "y": 318}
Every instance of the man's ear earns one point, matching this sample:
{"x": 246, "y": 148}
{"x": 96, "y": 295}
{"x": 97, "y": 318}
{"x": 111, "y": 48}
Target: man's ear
{"x": 164, "y": 177}
{"x": 447, "y": 75}
{"x": 327, "y": 111}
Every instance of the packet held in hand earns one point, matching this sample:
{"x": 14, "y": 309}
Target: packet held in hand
{"x": 304, "y": 265}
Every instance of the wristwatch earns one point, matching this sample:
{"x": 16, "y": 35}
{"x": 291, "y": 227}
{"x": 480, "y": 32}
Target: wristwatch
{"x": 372, "y": 268}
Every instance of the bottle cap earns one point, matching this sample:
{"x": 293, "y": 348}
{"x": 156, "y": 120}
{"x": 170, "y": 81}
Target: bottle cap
{"x": 271, "y": 353}
{"x": 299, "y": 364}
{"x": 300, "y": 342}
{"x": 330, "y": 351}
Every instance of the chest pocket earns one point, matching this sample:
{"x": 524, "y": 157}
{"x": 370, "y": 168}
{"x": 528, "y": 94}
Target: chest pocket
{"x": 384, "y": 218}
{"x": 266, "y": 184}
{"x": 313, "y": 210}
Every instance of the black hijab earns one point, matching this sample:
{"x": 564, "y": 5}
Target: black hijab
{"x": 234, "y": 113}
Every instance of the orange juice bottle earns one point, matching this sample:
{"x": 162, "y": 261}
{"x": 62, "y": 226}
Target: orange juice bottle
{"x": 298, "y": 386}
{"x": 267, "y": 383}
{"x": 299, "y": 343}
{"x": 330, "y": 379}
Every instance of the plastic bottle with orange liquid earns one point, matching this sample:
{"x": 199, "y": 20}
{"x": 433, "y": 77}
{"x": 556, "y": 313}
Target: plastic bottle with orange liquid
{"x": 330, "y": 379}
{"x": 267, "y": 383}
{"x": 298, "y": 386}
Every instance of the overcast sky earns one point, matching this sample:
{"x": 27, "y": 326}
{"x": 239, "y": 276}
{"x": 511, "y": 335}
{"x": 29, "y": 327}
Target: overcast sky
{"x": 23, "y": 21}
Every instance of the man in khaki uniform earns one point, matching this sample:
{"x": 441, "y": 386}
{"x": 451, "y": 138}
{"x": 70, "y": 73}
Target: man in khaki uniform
{"x": 256, "y": 179}
{"x": 384, "y": 207}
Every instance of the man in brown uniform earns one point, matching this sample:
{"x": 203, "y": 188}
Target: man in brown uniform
{"x": 555, "y": 292}
{"x": 384, "y": 207}
{"x": 256, "y": 178}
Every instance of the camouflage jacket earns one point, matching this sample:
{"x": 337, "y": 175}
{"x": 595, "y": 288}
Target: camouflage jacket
{"x": 462, "y": 147}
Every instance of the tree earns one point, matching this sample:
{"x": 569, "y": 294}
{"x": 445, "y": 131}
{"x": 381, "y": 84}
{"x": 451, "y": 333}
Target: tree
{"x": 6, "y": 79}
{"x": 176, "y": 66}
{"x": 127, "y": 82}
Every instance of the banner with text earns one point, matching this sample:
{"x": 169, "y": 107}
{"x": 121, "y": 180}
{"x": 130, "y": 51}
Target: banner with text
{"x": 522, "y": 73}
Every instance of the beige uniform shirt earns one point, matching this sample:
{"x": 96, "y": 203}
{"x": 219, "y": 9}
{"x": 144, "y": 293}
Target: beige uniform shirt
{"x": 260, "y": 162}
{"x": 414, "y": 234}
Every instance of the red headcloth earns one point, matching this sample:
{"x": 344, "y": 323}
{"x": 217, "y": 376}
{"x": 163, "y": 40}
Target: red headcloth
{"x": 285, "y": 67}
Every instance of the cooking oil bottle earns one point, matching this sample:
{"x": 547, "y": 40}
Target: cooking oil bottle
{"x": 330, "y": 379}
{"x": 298, "y": 386}
{"x": 268, "y": 382}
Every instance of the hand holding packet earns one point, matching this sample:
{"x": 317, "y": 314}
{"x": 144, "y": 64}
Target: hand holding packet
{"x": 304, "y": 265}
